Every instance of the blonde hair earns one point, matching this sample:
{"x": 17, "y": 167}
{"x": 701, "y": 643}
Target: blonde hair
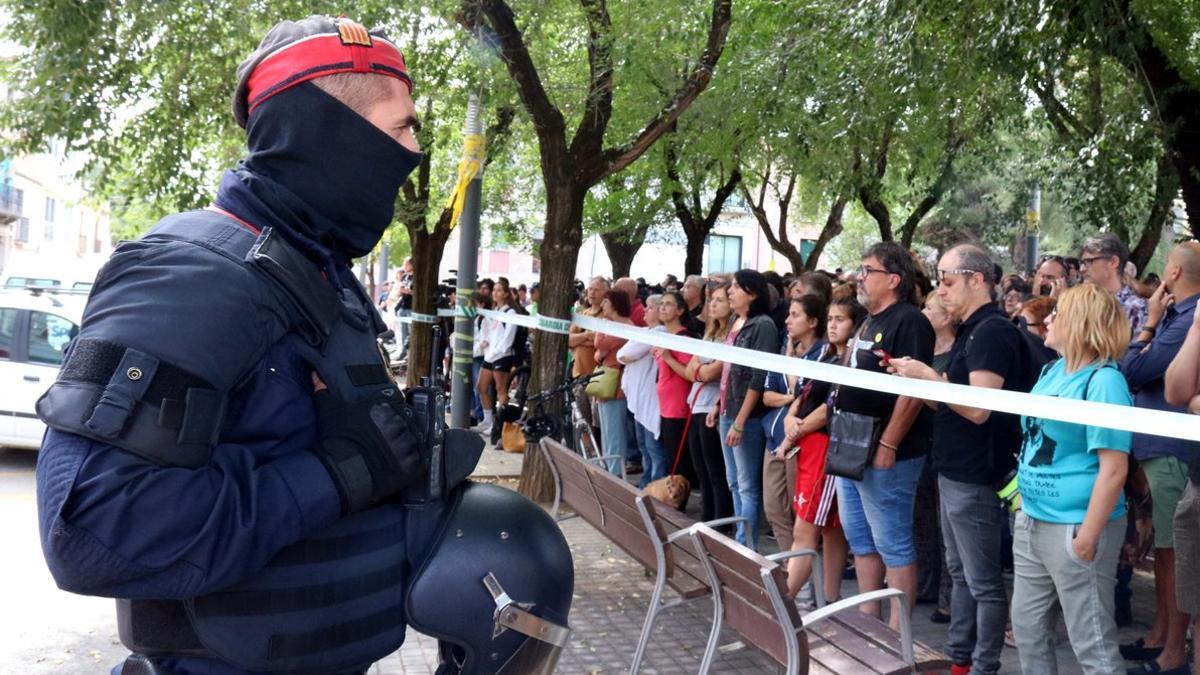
{"x": 717, "y": 329}
{"x": 1090, "y": 323}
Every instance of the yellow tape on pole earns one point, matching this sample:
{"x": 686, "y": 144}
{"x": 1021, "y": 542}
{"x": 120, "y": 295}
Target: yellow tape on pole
{"x": 474, "y": 149}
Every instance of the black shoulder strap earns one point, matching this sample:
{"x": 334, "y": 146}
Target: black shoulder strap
{"x": 299, "y": 278}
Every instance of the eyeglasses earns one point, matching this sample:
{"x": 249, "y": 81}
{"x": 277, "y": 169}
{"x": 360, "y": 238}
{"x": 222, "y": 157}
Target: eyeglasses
{"x": 941, "y": 274}
{"x": 865, "y": 271}
{"x": 1086, "y": 262}
{"x": 1051, "y": 316}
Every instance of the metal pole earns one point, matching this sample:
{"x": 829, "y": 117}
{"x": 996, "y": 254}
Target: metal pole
{"x": 463, "y": 383}
{"x": 1033, "y": 221}
{"x": 381, "y": 271}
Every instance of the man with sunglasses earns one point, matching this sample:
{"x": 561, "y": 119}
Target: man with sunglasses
{"x": 1102, "y": 261}
{"x": 973, "y": 450}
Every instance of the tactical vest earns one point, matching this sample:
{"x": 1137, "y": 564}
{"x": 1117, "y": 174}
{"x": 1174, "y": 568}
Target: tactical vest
{"x": 330, "y": 602}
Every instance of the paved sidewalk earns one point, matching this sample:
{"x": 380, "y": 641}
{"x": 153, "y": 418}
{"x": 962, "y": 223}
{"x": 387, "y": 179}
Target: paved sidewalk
{"x": 612, "y": 594}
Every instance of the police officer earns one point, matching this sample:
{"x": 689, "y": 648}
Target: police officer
{"x": 227, "y": 454}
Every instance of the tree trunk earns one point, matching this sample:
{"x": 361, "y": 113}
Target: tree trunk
{"x": 693, "y": 263}
{"x": 621, "y": 252}
{"x": 1166, "y": 184}
{"x": 559, "y": 252}
{"x": 427, "y": 249}
{"x": 832, "y": 228}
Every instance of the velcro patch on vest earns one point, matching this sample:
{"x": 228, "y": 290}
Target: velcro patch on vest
{"x": 368, "y": 374}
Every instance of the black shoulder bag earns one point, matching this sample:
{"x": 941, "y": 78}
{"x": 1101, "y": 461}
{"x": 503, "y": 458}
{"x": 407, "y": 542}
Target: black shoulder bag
{"x": 853, "y": 437}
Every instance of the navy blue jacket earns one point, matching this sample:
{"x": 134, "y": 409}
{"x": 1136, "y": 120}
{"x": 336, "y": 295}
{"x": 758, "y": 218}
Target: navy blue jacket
{"x": 1145, "y": 367}
{"x": 115, "y": 524}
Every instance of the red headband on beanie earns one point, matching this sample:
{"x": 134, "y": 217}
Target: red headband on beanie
{"x": 314, "y": 48}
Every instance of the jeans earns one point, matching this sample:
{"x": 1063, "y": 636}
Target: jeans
{"x": 1047, "y": 572}
{"x": 877, "y": 512}
{"x": 612, "y": 432}
{"x": 654, "y": 457}
{"x": 405, "y": 330}
{"x": 476, "y": 403}
{"x": 973, "y": 524}
{"x": 744, "y": 463}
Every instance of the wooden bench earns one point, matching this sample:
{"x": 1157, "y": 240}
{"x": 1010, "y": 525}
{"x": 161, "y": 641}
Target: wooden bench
{"x": 830, "y": 640}
{"x": 652, "y": 533}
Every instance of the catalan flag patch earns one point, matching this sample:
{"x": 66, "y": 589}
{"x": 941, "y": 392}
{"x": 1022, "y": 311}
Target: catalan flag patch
{"x": 353, "y": 33}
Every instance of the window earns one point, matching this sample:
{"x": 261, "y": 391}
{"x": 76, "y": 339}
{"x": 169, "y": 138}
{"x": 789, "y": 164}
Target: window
{"x": 8, "y": 328}
{"x": 50, "y": 204}
{"x": 724, "y": 253}
{"x": 23, "y": 230}
{"x": 19, "y": 201}
{"x": 49, "y": 335}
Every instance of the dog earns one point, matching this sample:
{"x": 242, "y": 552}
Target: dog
{"x": 671, "y": 490}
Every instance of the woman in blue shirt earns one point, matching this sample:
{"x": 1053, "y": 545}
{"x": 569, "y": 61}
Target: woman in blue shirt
{"x": 1069, "y": 532}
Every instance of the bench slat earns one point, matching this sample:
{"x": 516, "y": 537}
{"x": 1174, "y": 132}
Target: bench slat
{"x": 758, "y": 627}
{"x": 870, "y": 627}
{"x": 875, "y": 656}
{"x": 830, "y": 658}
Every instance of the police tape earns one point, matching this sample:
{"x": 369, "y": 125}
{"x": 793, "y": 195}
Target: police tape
{"x": 418, "y": 317}
{"x": 1108, "y": 415}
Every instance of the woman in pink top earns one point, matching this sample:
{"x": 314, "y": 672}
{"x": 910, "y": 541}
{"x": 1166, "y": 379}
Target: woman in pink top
{"x": 674, "y": 385}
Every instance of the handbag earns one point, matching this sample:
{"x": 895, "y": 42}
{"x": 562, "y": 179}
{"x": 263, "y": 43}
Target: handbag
{"x": 604, "y": 386}
{"x": 853, "y": 438}
{"x": 512, "y": 438}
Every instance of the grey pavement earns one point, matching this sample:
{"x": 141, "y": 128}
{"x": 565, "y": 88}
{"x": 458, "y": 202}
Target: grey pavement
{"x": 612, "y": 593}
{"x": 44, "y": 630}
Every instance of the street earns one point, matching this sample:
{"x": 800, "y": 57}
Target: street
{"x": 43, "y": 629}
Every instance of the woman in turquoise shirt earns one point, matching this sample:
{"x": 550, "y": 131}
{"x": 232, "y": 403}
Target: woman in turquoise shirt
{"x": 1072, "y": 522}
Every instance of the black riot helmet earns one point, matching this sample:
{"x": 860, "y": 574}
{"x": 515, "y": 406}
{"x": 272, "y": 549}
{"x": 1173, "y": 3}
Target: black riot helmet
{"x": 496, "y": 587}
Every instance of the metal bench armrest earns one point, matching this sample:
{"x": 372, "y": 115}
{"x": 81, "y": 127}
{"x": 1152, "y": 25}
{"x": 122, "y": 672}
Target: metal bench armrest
{"x": 906, "y": 637}
{"x": 784, "y": 555}
{"x": 680, "y": 534}
{"x": 816, "y": 577}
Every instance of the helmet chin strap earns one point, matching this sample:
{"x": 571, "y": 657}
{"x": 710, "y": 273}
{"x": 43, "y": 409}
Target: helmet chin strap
{"x": 516, "y": 616}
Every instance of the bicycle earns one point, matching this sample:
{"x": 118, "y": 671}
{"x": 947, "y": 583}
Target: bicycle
{"x": 567, "y": 424}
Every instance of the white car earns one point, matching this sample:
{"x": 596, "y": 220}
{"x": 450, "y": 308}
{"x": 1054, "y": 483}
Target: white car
{"x": 35, "y": 328}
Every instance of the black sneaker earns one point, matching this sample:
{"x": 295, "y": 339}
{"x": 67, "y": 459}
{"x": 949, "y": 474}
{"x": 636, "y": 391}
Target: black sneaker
{"x": 632, "y": 468}
{"x": 1138, "y": 651}
{"x": 939, "y": 616}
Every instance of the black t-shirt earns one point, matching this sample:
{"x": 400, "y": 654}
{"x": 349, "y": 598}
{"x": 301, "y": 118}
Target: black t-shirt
{"x": 900, "y": 330}
{"x": 818, "y": 391}
{"x": 980, "y": 453}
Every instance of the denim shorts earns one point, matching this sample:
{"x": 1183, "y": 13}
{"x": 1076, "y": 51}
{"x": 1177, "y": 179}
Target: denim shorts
{"x": 877, "y": 512}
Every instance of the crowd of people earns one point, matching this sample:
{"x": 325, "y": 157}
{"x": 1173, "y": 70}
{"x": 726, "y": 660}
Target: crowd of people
{"x": 930, "y": 510}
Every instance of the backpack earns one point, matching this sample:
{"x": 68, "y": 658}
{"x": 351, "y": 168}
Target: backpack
{"x": 1033, "y": 352}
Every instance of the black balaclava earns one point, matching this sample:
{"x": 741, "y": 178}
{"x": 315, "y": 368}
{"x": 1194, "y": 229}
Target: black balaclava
{"x": 322, "y": 171}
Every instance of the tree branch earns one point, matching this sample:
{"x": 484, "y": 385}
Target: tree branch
{"x": 831, "y": 229}
{"x": 589, "y": 137}
{"x": 1061, "y": 118}
{"x": 954, "y": 144}
{"x": 1166, "y": 185}
{"x": 547, "y": 119}
{"x": 615, "y": 159}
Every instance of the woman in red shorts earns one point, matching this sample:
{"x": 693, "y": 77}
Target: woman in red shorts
{"x": 817, "y": 523}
